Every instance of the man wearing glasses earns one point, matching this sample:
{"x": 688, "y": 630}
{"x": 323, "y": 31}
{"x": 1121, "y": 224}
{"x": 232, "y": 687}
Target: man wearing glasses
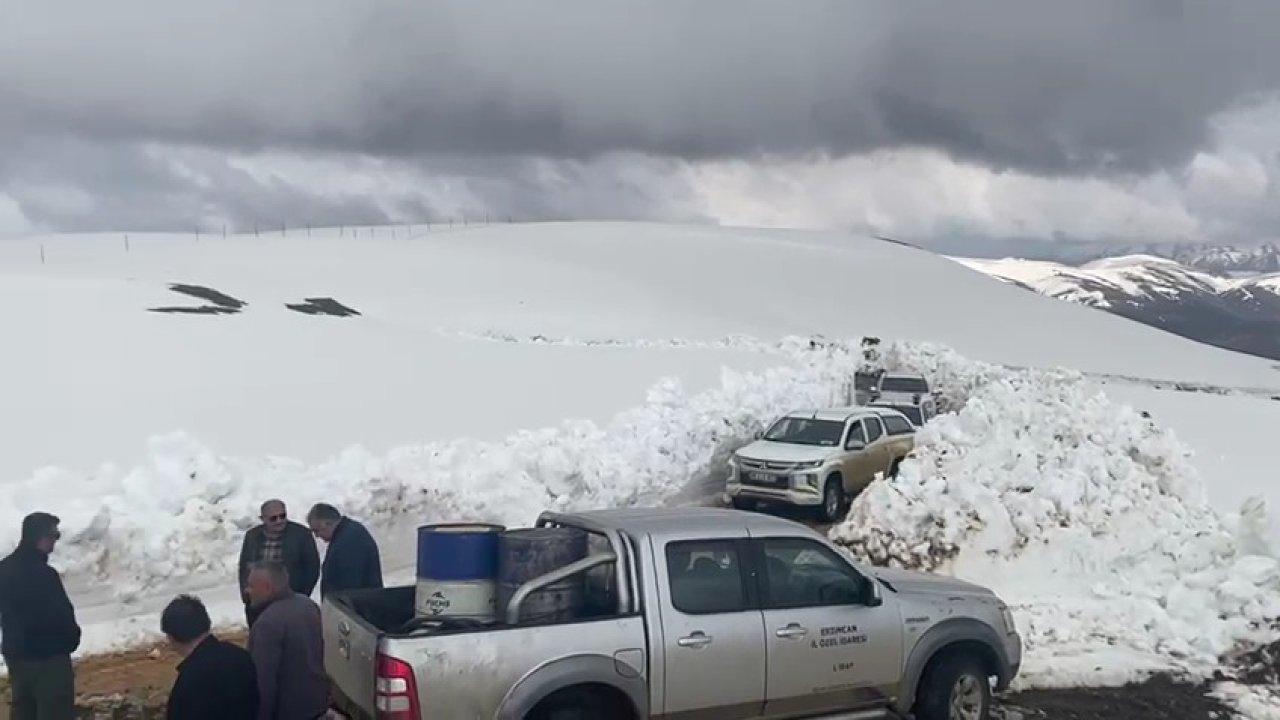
{"x": 280, "y": 541}
{"x": 39, "y": 626}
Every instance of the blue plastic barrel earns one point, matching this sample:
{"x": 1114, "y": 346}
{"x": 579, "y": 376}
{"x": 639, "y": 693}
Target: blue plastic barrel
{"x": 457, "y": 571}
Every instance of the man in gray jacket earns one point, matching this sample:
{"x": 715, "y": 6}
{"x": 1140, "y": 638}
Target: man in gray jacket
{"x": 287, "y": 647}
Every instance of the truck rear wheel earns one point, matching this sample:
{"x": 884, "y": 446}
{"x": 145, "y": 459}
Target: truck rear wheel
{"x": 955, "y": 687}
{"x": 588, "y": 702}
{"x": 893, "y": 469}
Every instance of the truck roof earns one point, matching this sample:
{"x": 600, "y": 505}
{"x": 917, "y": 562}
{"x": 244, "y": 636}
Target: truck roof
{"x": 845, "y": 413}
{"x": 659, "y": 521}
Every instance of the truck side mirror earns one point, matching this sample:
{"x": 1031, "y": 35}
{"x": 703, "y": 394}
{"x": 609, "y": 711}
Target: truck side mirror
{"x": 874, "y": 598}
{"x": 855, "y": 445}
{"x": 758, "y": 434}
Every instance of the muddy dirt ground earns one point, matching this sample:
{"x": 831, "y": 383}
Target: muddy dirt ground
{"x": 1156, "y": 698}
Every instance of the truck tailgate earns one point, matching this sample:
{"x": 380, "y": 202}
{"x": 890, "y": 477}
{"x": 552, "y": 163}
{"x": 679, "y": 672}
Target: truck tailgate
{"x": 351, "y": 648}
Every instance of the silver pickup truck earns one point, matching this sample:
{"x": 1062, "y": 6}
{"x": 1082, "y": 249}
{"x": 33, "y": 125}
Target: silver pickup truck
{"x": 694, "y": 613}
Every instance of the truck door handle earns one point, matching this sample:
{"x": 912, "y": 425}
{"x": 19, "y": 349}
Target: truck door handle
{"x": 696, "y": 639}
{"x": 794, "y": 630}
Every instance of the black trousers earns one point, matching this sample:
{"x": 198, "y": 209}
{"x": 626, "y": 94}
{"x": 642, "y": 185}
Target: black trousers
{"x": 43, "y": 689}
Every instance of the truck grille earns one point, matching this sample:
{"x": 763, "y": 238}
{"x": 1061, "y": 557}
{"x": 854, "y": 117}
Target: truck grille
{"x": 764, "y": 465}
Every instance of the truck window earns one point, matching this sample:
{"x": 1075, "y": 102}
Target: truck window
{"x": 874, "y": 429}
{"x": 706, "y": 577}
{"x": 805, "y": 431}
{"x": 901, "y": 384}
{"x": 803, "y": 573}
{"x": 855, "y": 433}
{"x": 896, "y": 425}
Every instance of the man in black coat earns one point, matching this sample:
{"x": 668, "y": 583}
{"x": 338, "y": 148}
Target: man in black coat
{"x": 216, "y": 680}
{"x": 39, "y": 626}
{"x": 278, "y": 540}
{"x": 352, "y": 560}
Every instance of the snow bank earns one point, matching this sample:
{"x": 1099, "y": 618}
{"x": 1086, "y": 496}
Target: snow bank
{"x": 180, "y": 517}
{"x": 1083, "y": 514}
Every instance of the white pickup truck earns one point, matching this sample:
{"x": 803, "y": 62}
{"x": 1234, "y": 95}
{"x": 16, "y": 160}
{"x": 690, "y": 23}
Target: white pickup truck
{"x": 696, "y": 613}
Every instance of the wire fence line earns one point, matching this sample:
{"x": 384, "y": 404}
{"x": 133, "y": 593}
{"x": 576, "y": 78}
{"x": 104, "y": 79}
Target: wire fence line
{"x": 265, "y": 231}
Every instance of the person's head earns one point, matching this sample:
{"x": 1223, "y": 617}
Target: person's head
{"x": 323, "y": 520}
{"x": 40, "y": 531}
{"x": 274, "y": 517}
{"x": 267, "y": 581}
{"x": 185, "y": 623}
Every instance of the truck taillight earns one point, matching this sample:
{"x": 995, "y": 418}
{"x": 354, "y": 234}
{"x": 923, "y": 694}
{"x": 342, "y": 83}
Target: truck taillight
{"x": 397, "y": 690}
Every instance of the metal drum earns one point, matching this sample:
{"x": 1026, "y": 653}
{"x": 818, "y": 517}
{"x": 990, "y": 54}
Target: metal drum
{"x": 457, "y": 571}
{"x": 528, "y": 553}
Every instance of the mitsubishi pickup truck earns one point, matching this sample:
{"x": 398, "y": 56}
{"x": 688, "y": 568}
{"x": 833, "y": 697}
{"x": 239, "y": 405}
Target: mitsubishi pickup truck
{"x": 820, "y": 458}
{"x": 693, "y": 613}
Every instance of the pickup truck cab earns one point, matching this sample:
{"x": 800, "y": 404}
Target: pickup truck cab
{"x": 820, "y": 458}
{"x": 696, "y": 613}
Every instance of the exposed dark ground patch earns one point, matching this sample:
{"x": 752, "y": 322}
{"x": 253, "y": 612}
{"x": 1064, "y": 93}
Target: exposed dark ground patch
{"x": 195, "y": 310}
{"x": 208, "y": 294}
{"x": 322, "y": 306}
{"x": 222, "y": 304}
{"x": 1159, "y": 698}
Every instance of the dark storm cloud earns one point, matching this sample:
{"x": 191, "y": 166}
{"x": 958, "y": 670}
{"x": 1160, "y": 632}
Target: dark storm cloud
{"x": 77, "y": 185}
{"x": 1079, "y": 87}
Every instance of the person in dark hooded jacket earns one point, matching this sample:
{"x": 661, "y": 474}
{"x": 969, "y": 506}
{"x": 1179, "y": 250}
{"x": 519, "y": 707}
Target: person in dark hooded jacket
{"x": 38, "y": 625}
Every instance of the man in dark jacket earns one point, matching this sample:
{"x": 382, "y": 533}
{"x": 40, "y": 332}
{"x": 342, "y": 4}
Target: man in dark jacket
{"x": 278, "y": 540}
{"x": 216, "y": 680}
{"x": 39, "y": 626}
{"x": 287, "y": 648}
{"x": 352, "y": 560}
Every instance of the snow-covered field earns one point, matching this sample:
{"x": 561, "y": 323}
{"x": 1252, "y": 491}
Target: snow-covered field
{"x": 498, "y": 371}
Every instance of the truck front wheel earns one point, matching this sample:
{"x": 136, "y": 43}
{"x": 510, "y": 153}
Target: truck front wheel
{"x": 832, "y": 499}
{"x": 955, "y": 687}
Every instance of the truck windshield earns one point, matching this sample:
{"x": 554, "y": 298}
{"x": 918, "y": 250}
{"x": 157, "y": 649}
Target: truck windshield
{"x": 805, "y": 431}
{"x": 904, "y": 385}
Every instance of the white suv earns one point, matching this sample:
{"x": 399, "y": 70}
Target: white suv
{"x": 820, "y": 458}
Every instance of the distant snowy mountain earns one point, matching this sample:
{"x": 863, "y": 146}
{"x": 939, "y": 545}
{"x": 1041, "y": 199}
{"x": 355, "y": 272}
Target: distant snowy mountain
{"x": 1225, "y": 260}
{"x": 1228, "y": 260}
{"x": 1238, "y": 314}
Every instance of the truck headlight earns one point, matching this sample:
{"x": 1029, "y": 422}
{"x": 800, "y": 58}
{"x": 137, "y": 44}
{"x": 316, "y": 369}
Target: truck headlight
{"x": 809, "y": 465}
{"x": 805, "y": 481}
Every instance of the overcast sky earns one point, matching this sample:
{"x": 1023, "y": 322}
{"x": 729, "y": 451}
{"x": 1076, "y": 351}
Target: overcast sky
{"x": 971, "y": 122}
